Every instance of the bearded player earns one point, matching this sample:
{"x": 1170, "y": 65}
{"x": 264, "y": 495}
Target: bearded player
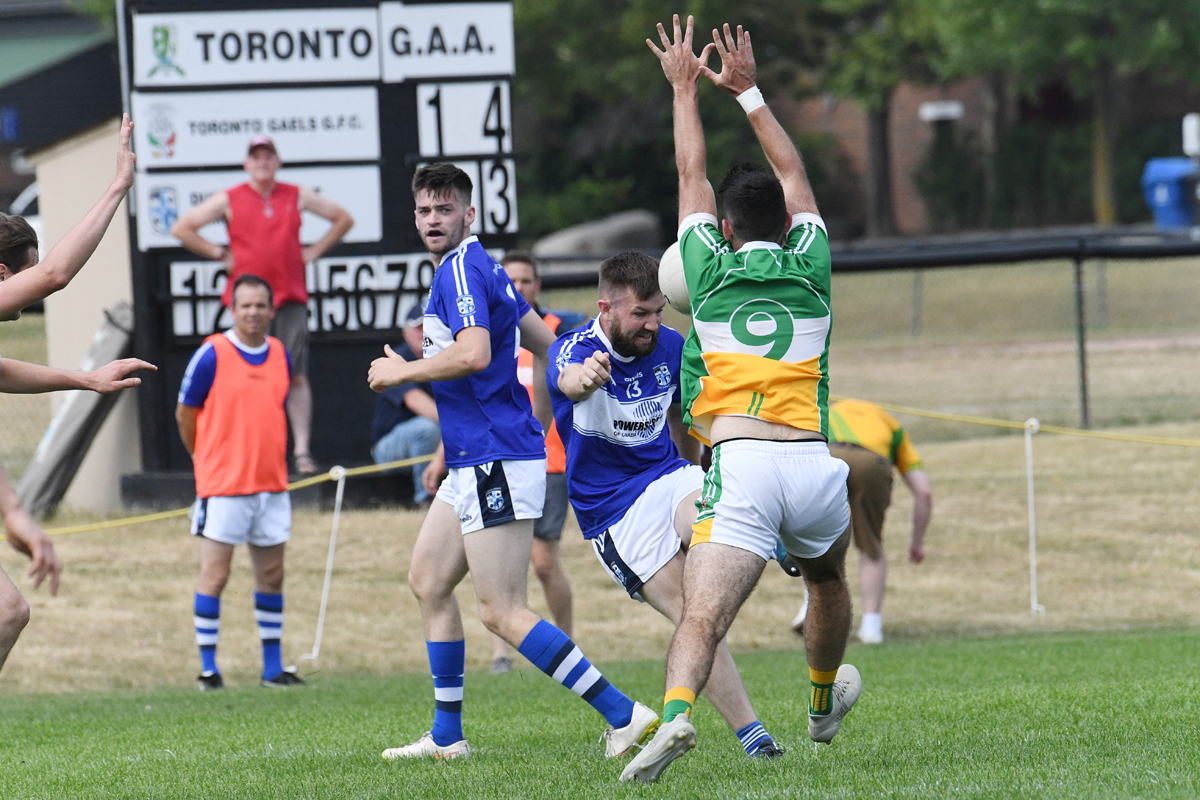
{"x": 615, "y": 388}
{"x": 482, "y": 517}
{"x": 755, "y": 385}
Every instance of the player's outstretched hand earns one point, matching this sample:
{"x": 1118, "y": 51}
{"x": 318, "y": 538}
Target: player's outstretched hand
{"x": 386, "y": 371}
{"x": 681, "y": 66}
{"x": 916, "y": 552}
{"x": 113, "y": 377}
{"x": 25, "y": 535}
{"x": 737, "y": 61}
{"x": 125, "y": 156}
{"x": 597, "y": 369}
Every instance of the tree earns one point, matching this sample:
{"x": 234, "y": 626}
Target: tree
{"x": 873, "y": 47}
{"x": 1089, "y": 42}
{"x": 593, "y": 112}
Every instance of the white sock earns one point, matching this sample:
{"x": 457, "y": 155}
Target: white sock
{"x": 872, "y": 623}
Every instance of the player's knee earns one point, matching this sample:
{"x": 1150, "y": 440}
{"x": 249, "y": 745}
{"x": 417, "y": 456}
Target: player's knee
{"x": 15, "y": 617}
{"x": 493, "y": 617}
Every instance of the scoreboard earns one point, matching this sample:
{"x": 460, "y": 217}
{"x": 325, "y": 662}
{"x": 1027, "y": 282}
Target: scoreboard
{"x": 356, "y": 96}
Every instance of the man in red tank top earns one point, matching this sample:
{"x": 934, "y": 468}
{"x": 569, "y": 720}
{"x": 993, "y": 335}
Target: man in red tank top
{"x": 522, "y": 270}
{"x": 263, "y": 219}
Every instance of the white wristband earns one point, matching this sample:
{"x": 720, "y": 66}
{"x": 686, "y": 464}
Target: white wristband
{"x": 751, "y": 100}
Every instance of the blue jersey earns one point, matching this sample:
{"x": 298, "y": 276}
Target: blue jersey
{"x": 486, "y": 416}
{"x": 617, "y": 440}
{"x": 202, "y": 369}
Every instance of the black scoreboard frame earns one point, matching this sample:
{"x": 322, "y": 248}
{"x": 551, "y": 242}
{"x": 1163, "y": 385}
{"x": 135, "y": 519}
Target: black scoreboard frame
{"x": 339, "y": 354}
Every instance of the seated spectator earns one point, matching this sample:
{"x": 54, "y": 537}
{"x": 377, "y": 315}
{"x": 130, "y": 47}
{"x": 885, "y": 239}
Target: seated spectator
{"x": 405, "y": 424}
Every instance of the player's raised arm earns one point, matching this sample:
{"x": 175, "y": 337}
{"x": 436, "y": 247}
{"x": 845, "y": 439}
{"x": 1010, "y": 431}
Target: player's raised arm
{"x": 65, "y": 259}
{"x": 737, "y": 77}
{"x": 683, "y": 69}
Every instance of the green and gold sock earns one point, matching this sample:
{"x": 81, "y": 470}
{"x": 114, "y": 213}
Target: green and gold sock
{"x": 678, "y": 701}
{"x": 820, "y": 700}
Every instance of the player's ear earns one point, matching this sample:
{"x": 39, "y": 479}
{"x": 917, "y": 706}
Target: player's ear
{"x": 469, "y": 217}
{"x": 726, "y": 230}
{"x": 5, "y": 273}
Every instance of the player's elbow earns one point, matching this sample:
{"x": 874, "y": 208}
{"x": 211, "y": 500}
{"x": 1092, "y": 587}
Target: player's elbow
{"x": 476, "y": 359}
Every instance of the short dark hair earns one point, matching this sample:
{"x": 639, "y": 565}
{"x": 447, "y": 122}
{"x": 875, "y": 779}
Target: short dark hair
{"x": 443, "y": 177}
{"x": 16, "y": 237}
{"x": 251, "y": 280}
{"x": 522, "y": 257}
{"x": 753, "y": 201}
{"x": 631, "y": 269}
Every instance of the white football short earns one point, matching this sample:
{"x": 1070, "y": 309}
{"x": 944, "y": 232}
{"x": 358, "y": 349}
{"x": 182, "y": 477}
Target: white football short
{"x": 495, "y": 493}
{"x": 262, "y": 519}
{"x": 757, "y": 492}
{"x": 641, "y": 543}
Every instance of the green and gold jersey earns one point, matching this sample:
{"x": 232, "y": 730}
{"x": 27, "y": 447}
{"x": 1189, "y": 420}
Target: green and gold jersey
{"x": 867, "y": 425}
{"x": 759, "y": 345}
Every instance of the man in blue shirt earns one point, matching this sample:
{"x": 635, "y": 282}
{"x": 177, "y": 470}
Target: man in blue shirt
{"x": 615, "y": 389}
{"x": 482, "y": 517}
{"x": 405, "y": 423}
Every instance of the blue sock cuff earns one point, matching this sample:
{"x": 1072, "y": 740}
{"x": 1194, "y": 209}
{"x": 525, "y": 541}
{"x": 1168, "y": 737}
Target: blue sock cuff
{"x": 542, "y": 644}
{"x": 268, "y": 602}
{"x": 447, "y": 659}
{"x": 207, "y": 606}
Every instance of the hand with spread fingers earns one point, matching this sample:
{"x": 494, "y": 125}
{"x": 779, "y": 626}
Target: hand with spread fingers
{"x": 737, "y": 61}
{"x": 681, "y": 66}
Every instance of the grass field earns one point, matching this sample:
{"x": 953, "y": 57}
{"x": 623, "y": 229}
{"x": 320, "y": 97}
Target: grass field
{"x": 1101, "y": 715}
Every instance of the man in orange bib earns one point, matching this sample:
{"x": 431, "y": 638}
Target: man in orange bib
{"x": 232, "y": 420}
{"x": 263, "y": 218}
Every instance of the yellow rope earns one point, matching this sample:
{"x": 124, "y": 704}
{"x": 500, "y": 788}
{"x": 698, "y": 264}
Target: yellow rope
{"x": 408, "y": 462}
{"x": 182, "y": 512}
{"x": 1055, "y": 429}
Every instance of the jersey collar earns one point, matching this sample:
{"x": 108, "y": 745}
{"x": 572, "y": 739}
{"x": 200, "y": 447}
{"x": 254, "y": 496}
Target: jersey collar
{"x": 748, "y": 246}
{"x": 462, "y": 247}
{"x": 608, "y": 345}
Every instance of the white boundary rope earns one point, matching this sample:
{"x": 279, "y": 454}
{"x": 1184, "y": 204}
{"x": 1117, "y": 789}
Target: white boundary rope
{"x": 338, "y": 474}
{"x": 1031, "y": 427}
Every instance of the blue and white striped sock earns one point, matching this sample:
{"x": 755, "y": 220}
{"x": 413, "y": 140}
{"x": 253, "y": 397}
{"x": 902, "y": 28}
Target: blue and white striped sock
{"x": 446, "y": 662}
{"x": 207, "y": 611}
{"x": 268, "y": 610}
{"x": 753, "y": 736}
{"x": 553, "y": 652}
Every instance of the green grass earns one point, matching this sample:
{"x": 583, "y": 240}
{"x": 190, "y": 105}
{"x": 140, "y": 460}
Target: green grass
{"x": 1079, "y": 715}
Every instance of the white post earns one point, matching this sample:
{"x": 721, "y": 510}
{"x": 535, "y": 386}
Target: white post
{"x": 339, "y": 475}
{"x": 1031, "y": 427}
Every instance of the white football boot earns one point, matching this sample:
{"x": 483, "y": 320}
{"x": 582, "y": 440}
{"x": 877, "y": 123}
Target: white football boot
{"x": 426, "y": 747}
{"x": 621, "y": 741}
{"x": 672, "y": 740}
{"x": 846, "y": 689}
